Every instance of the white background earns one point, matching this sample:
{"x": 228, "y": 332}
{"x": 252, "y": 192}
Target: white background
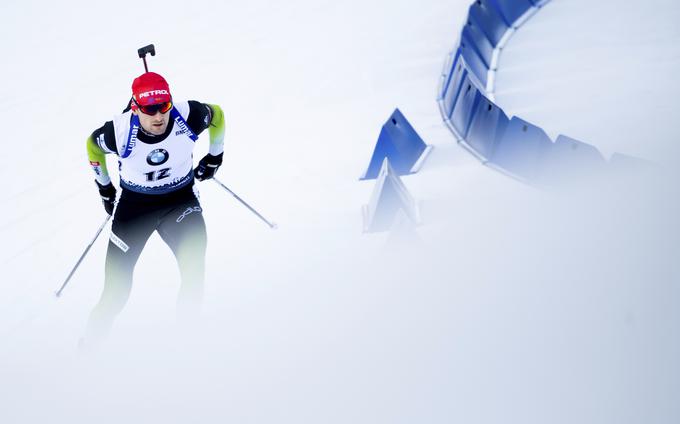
{"x": 508, "y": 304}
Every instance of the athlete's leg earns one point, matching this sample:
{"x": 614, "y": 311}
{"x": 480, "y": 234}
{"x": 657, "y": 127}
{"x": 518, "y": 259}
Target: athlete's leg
{"x": 132, "y": 226}
{"x": 183, "y": 229}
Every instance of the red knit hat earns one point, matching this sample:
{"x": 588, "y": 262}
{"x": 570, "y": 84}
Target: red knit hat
{"x": 150, "y": 89}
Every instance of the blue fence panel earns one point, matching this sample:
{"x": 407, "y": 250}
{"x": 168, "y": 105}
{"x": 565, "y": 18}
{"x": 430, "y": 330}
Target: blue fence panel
{"x": 569, "y": 159}
{"x": 474, "y": 62}
{"x": 487, "y": 127}
{"x": 479, "y": 42}
{"x": 389, "y": 197}
{"x": 488, "y": 19}
{"x": 399, "y": 142}
{"x": 456, "y": 77}
{"x": 539, "y": 3}
{"x": 465, "y": 107}
{"x": 568, "y": 152}
{"x": 521, "y": 149}
{"x": 450, "y": 69}
{"x": 511, "y": 10}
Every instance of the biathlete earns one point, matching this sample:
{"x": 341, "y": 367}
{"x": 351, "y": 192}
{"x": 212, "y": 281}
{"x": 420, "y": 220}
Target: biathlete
{"x": 153, "y": 141}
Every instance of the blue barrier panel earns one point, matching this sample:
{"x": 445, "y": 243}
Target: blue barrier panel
{"x": 449, "y": 72}
{"x": 489, "y": 19}
{"x": 389, "y": 198}
{"x": 487, "y": 127}
{"x": 465, "y": 107}
{"x": 456, "y": 77}
{"x": 479, "y": 42}
{"x": 539, "y": 3}
{"x": 474, "y": 62}
{"x": 568, "y": 159}
{"x": 398, "y": 142}
{"x": 521, "y": 149}
{"x": 511, "y": 10}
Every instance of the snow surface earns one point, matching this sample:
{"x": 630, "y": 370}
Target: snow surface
{"x": 509, "y": 304}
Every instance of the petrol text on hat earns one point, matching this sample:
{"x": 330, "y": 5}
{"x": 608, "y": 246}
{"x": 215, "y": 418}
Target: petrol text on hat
{"x": 153, "y": 93}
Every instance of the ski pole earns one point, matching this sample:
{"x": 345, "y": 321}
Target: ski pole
{"x": 87, "y": 249}
{"x": 272, "y": 225}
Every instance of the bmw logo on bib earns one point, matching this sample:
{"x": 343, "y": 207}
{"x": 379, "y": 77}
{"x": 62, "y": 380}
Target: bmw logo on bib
{"x": 157, "y": 157}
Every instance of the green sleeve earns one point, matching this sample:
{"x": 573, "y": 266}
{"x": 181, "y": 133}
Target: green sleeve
{"x": 97, "y": 158}
{"x": 216, "y": 130}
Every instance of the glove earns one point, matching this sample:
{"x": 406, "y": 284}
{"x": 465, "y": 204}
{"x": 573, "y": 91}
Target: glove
{"x": 108, "y": 194}
{"x": 207, "y": 167}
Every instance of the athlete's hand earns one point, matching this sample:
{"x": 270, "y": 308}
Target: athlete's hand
{"x": 108, "y": 194}
{"x": 207, "y": 167}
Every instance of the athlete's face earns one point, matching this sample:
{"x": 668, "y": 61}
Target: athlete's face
{"x": 155, "y": 124}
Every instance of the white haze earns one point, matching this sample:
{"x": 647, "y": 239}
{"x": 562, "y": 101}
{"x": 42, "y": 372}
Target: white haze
{"x": 507, "y": 304}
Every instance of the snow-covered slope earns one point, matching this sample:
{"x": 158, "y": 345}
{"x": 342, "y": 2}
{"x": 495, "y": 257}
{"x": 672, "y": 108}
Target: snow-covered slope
{"x": 508, "y": 305}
